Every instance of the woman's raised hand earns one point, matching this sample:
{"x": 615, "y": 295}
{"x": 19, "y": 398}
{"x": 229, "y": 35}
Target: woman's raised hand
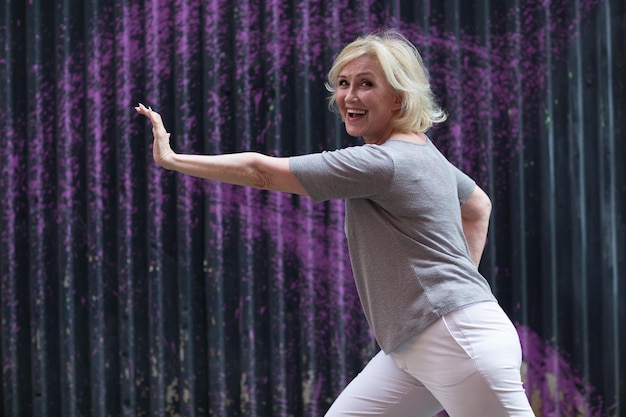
{"x": 161, "y": 149}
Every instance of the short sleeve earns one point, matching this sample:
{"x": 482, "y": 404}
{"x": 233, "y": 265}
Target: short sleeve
{"x": 364, "y": 171}
{"x": 465, "y": 185}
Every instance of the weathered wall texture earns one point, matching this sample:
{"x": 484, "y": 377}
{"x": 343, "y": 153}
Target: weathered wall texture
{"x": 127, "y": 290}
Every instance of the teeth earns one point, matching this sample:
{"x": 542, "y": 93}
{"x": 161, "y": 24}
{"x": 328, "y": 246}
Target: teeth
{"x": 356, "y": 111}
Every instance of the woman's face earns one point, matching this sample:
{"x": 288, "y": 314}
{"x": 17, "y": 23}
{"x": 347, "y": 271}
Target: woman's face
{"x": 366, "y": 102}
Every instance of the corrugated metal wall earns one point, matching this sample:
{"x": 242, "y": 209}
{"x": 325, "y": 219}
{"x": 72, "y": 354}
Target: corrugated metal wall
{"x": 129, "y": 290}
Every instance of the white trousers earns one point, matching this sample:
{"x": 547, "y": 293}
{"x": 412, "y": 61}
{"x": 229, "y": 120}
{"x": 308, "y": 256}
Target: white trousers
{"x": 467, "y": 363}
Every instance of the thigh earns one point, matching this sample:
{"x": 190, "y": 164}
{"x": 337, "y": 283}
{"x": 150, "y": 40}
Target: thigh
{"x": 383, "y": 389}
{"x": 470, "y": 360}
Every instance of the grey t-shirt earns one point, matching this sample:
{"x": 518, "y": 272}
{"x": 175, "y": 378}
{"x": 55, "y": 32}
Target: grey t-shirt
{"x": 409, "y": 256}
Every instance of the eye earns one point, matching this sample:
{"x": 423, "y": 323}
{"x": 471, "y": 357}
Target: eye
{"x": 342, "y": 83}
{"x": 366, "y": 83}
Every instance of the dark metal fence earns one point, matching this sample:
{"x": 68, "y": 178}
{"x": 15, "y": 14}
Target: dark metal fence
{"x": 129, "y": 290}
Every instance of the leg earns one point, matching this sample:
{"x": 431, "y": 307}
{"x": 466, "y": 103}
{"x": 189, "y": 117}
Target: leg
{"x": 470, "y": 360}
{"x": 383, "y": 389}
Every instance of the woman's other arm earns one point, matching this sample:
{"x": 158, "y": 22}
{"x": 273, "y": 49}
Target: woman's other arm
{"x": 475, "y": 213}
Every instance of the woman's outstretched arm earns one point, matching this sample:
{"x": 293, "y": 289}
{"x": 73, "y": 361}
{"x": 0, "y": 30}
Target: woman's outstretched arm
{"x": 247, "y": 169}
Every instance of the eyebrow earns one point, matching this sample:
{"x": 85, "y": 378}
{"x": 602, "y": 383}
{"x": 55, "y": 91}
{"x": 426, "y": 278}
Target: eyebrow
{"x": 360, "y": 74}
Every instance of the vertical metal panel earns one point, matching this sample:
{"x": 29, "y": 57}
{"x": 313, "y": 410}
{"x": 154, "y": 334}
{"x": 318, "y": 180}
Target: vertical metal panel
{"x": 12, "y": 213}
{"x": 610, "y": 39}
{"x": 130, "y": 290}
{"x": 98, "y": 154}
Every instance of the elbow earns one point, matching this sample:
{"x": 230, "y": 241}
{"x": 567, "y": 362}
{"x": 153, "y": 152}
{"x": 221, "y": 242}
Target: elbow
{"x": 260, "y": 181}
{"x": 256, "y": 176}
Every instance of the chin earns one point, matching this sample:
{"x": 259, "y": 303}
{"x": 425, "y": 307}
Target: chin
{"x": 352, "y": 132}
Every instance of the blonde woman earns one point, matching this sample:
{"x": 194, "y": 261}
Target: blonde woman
{"x": 416, "y": 229}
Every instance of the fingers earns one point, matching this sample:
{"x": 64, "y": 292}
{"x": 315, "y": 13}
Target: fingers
{"x": 154, "y": 117}
{"x": 158, "y": 128}
{"x": 146, "y": 111}
{"x": 141, "y": 109}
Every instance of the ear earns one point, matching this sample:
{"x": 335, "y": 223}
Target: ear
{"x": 397, "y": 104}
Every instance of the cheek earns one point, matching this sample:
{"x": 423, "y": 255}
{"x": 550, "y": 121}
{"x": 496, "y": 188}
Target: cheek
{"x": 340, "y": 104}
{"x": 340, "y": 97}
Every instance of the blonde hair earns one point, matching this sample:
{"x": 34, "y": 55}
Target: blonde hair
{"x": 404, "y": 69}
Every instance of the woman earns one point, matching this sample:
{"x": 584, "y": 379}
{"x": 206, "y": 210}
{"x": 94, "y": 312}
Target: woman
{"x": 416, "y": 228}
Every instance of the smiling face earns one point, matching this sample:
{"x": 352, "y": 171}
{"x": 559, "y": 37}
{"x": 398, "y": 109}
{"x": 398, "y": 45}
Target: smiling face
{"x": 366, "y": 102}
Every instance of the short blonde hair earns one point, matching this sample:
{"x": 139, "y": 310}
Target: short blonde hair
{"x": 404, "y": 69}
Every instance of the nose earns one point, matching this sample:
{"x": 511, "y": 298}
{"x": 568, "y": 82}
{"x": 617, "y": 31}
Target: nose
{"x": 351, "y": 96}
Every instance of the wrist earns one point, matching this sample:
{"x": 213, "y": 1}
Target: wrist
{"x": 166, "y": 160}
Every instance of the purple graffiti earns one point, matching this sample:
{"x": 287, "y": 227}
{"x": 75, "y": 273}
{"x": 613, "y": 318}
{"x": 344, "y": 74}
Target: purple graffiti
{"x": 237, "y": 76}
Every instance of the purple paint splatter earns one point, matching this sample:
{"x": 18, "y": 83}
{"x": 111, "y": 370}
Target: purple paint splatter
{"x": 236, "y": 96}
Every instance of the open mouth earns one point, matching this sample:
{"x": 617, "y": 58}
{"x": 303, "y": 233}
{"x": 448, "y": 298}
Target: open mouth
{"x": 354, "y": 113}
